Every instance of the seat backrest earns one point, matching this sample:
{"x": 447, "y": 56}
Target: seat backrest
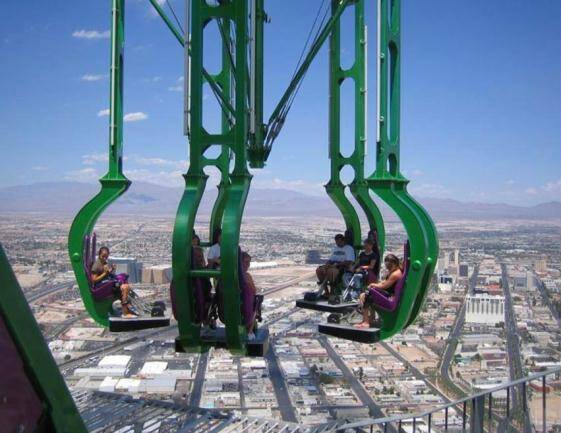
{"x": 90, "y": 254}
{"x": 400, "y": 285}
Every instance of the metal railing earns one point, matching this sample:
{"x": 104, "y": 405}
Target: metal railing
{"x": 489, "y": 411}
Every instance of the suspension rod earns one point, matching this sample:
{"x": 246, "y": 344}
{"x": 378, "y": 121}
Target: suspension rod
{"x": 310, "y": 57}
{"x": 180, "y": 38}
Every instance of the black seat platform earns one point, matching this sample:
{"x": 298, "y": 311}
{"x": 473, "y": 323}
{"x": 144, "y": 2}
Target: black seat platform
{"x": 217, "y": 338}
{"x": 350, "y": 332}
{"x": 119, "y": 324}
{"x": 323, "y": 305}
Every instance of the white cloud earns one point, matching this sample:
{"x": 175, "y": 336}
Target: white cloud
{"x": 510, "y": 182}
{"x": 163, "y": 178}
{"x": 94, "y": 158}
{"x": 549, "y": 191}
{"x": 303, "y": 186}
{"x": 135, "y": 117}
{"x": 93, "y": 77}
{"x": 155, "y": 79}
{"x": 84, "y": 175}
{"x": 554, "y": 187}
{"x": 40, "y": 168}
{"x": 91, "y": 34}
{"x": 430, "y": 190}
{"x": 178, "y": 86}
{"x": 159, "y": 162}
{"x": 129, "y": 117}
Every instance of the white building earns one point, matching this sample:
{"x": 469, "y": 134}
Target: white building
{"x": 128, "y": 265}
{"x": 485, "y": 309}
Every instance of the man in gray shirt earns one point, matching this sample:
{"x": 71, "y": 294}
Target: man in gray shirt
{"x": 342, "y": 257}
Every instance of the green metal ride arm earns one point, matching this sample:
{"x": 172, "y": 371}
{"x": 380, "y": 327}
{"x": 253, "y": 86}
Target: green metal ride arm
{"x": 113, "y": 183}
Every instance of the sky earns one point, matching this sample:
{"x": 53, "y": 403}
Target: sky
{"x": 481, "y": 96}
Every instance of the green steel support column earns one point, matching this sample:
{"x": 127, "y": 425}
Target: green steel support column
{"x": 256, "y": 151}
{"x": 224, "y": 80}
{"x": 359, "y": 187}
{"x": 195, "y": 182}
{"x": 335, "y": 188}
{"x": 388, "y": 182}
{"x": 114, "y": 183}
{"x": 234, "y": 186}
{"x": 238, "y": 187}
{"x": 59, "y": 409}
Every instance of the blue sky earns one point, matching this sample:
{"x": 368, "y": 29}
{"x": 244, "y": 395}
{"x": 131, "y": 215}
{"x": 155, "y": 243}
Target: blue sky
{"x": 481, "y": 96}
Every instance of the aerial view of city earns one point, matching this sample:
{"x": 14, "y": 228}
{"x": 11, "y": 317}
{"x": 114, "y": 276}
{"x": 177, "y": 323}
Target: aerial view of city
{"x": 263, "y": 216}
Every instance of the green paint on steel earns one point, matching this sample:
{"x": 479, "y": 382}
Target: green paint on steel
{"x": 337, "y": 75}
{"x": 235, "y": 181}
{"x": 114, "y": 183}
{"x": 40, "y": 367}
{"x": 391, "y": 186}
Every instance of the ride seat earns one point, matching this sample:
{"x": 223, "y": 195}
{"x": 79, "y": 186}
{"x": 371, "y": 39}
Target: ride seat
{"x": 102, "y": 291}
{"x": 380, "y": 299}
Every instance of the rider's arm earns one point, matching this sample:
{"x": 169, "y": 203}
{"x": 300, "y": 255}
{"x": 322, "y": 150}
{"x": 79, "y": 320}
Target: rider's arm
{"x": 386, "y": 284}
{"x": 370, "y": 265}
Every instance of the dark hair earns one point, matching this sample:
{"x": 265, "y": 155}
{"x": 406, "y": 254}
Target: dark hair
{"x": 245, "y": 255}
{"x": 339, "y": 236}
{"x": 392, "y": 258}
{"x": 369, "y": 242}
{"x": 197, "y": 238}
{"x": 103, "y": 249}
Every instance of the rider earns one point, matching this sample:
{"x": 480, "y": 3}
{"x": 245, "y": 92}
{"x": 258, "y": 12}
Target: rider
{"x": 214, "y": 251}
{"x": 394, "y": 274}
{"x": 342, "y": 257}
{"x": 366, "y": 268}
{"x": 103, "y": 272}
{"x": 246, "y": 263}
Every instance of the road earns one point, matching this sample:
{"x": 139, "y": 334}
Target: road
{"x": 240, "y": 382}
{"x": 288, "y": 283}
{"x": 354, "y": 383}
{"x": 281, "y": 390}
{"x": 197, "y": 391}
{"x": 546, "y": 299}
{"x": 454, "y": 337}
{"x": 513, "y": 349}
{"x": 49, "y": 290}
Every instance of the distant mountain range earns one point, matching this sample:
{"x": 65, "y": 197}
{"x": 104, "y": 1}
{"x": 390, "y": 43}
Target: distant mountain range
{"x": 66, "y": 198}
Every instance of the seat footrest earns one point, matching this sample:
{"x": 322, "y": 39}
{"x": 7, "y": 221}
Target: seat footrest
{"x": 217, "y": 338}
{"x": 119, "y": 324}
{"x": 350, "y": 332}
{"x": 326, "y": 306}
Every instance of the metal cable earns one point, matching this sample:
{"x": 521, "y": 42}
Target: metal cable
{"x": 175, "y": 16}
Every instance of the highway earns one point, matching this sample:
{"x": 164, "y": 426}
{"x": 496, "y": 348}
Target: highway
{"x": 279, "y": 385}
{"x": 354, "y": 383}
{"x": 197, "y": 391}
{"x": 513, "y": 349}
{"x": 546, "y": 299}
{"x": 288, "y": 283}
{"x": 454, "y": 337}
